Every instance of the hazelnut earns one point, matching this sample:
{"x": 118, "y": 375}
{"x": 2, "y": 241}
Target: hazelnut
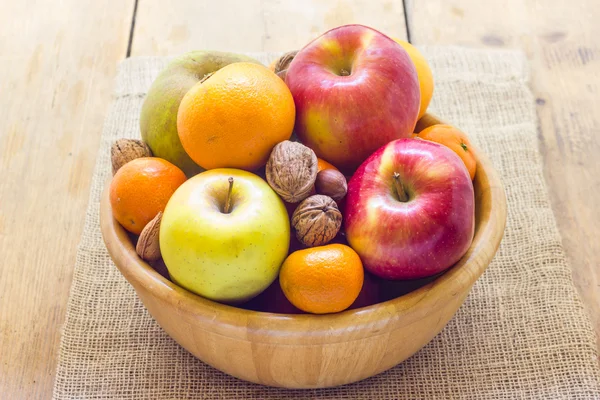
{"x": 332, "y": 183}
{"x": 291, "y": 170}
{"x": 316, "y": 220}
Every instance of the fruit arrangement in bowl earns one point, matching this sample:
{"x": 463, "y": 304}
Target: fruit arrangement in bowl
{"x": 302, "y": 225}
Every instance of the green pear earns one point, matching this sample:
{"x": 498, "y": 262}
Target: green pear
{"x": 158, "y": 120}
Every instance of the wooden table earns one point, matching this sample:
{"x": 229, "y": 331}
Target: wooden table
{"x": 57, "y": 69}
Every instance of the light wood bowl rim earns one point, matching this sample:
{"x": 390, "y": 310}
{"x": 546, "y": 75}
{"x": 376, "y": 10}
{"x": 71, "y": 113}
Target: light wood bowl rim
{"x": 377, "y": 319}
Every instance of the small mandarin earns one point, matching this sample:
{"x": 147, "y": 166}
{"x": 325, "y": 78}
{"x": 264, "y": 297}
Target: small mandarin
{"x": 322, "y": 164}
{"x": 141, "y": 189}
{"x": 321, "y": 280}
{"x": 273, "y": 64}
{"x": 455, "y": 140}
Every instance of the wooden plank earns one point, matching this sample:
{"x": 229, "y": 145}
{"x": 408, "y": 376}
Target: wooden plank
{"x": 57, "y": 69}
{"x": 171, "y": 28}
{"x": 561, "y": 41}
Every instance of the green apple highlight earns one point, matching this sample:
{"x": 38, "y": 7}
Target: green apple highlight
{"x": 158, "y": 119}
{"x": 224, "y": 235}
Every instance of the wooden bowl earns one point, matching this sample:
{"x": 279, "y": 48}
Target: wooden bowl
{"x": 314, "y": 351}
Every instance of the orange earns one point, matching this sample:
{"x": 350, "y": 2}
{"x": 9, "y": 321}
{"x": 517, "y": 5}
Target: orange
{"x": 455, "y": 140}
{"x": 235, "y": 117}
{"x": 423, "y": 73}
{"x": 273, "y": 64}
{"x": 322, "y": 164}
{"x": 324, "y": 279}
{"x": 141, "y": 188}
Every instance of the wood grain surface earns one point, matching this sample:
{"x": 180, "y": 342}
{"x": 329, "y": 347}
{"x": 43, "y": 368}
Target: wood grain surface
{"x": 560, "y": 39}
{"x": 170, "y": 28}
{"x": 58, "y": 64}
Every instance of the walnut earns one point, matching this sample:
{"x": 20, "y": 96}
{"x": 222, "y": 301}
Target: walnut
{"x": 332, "y": 183}
{"x": 317, "y": 220}
{"x": 284, "y": 62}
{"x": 125, "y": 150}
{"x": 291, "y": 170}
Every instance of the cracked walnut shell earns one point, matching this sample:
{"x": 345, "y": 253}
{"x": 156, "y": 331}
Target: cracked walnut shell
{"x": 292, "y": 170}
{"x": 317, "y": 220}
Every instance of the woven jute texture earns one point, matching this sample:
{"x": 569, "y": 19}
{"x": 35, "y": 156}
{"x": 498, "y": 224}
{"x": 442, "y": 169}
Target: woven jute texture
{"x": 521, "y": 334}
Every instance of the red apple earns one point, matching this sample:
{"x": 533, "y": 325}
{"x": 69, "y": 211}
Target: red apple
{"x": 355, "y": 90}
{"x": 410, "y": 210}
{"x": 369, "y": 293}
{"x": 377, "y": 290}
{"x": 272, "y": 300}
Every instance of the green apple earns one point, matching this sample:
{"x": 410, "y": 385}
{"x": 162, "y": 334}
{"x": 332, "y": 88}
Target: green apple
{"x": 224, "y": 235}
{"x": 158, "y": 120}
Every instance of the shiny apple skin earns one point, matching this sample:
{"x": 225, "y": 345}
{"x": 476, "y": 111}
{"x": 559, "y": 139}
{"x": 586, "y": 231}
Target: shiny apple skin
{"x": 346, "y": 118}
{"x": 227, "y": 257}
{"x": 423, "y": 236}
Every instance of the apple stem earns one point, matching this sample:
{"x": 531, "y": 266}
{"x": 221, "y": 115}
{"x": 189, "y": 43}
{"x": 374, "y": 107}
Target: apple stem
{"x": 227, "y": 207}
{"x": 402, "y": 196}
{"x": 344, "y": 72}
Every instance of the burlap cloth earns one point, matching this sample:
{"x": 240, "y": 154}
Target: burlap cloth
{"x": 522, "y": 332}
